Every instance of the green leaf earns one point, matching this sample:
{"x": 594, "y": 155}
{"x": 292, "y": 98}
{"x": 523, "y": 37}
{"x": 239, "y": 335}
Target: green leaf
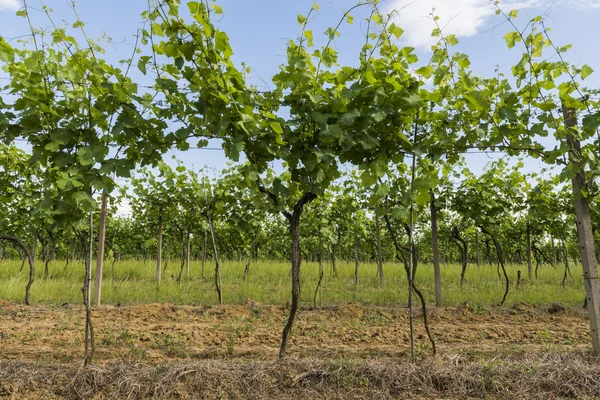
{"x": 309, "y": 37}
{"x": 7, "y": 53}
{"x": 85, "y": 156}
{"x": 477, "y": 100}
{"x": 396, "y": 30}
{"x": 367, "y": 178}
{"x": 179, "y": 62}
{"x": 195, "y": 10}
{"x": 370, "y": 77}
{"x": 586, "y": 71}
{"x": 452, "y": 40}
{"x": 379, "y": 116}
{"x": 463, "y": 61}
{"x": 349, "y": 117}
{"x": 62, "y": 182}
{"x": 222, "y": 44}
{"x": 513, "y": 13}
{"x": 276, "y": 126}
{"x": 591, "y": 122}
{"x": 52, "y": 146}
{"x": 511, "y": 38}
{"x": 407, "y": 52}
{"x": 425, "y": 72}
{"x": 142, "y": 62}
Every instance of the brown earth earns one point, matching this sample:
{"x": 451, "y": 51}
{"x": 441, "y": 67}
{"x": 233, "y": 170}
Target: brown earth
{"x": 159, "y": 333}
{"x": 351, "y": 351}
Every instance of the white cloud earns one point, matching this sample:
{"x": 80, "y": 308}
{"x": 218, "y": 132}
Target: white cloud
{"x": 582, "y": 4}
{"x": 9, "y": 5}
{"x": 462, "y": 18}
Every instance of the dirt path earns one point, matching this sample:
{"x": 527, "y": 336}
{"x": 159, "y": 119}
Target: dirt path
{"x": 159, "y": 333}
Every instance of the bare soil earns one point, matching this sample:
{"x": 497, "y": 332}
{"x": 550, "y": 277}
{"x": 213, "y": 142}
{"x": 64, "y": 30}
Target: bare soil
{"x": 351, "y": 351}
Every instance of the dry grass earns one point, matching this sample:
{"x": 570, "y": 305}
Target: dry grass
{"x": 540, "y": 376}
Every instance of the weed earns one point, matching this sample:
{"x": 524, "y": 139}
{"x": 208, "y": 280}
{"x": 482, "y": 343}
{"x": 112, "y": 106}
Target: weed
{"x": 269, "y": 284}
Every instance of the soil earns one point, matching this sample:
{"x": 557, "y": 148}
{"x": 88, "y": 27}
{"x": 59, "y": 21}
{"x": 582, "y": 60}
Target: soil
{"x": 159, "y": 333}
{"x": 166, "y": 351}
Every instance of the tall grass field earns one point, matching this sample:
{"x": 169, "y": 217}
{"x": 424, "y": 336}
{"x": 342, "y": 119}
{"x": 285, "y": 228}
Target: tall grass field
{"x": 269, "y": 282}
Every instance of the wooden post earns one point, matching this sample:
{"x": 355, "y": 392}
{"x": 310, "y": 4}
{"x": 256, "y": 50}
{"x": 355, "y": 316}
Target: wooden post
{"x": 436, "y": 252}
{"x": 159, "y": 250}
{"x": 100, "y": 251}
{"x": 355, "y": 262}
{"x": 203, "y": 252}
{"x": 88, "y": 267}
{"x": 187, "y": 253}
{"x": 584, "y": 231}
{"x": 529, "y": 266}
{"x": 554, "y": 253}
{"x": 477, "y": 247}
{"x": 379, "y": 255}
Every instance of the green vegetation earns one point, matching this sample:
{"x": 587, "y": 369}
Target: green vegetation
{"x": 268, "y": 283}
{"x": 399, "y": 123}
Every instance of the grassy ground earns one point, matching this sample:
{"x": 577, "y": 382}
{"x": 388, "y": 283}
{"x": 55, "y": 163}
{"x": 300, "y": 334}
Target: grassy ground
{"x": 559, "y": 377}
{"x": 345, "y": 351}
{"x": 165, "y": 351}
{"x": 269, "y": 283}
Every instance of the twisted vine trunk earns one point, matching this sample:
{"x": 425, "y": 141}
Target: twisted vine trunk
{"x": 319, "y": 289}
{"x": 462, "y": 247}
{"x": 35, "y": 244}
{"x": 252, "y": 250}
{"x": 500, "y": 261}
{"x": 400, "y": 257}
{"x": 18, "y": 242}
{"x": 536, "y": 255}
{"x": 216, "y": 258}
{"x": 333, "y": 267}
{"x": 567, "y": 269}
{"x": 339, "y": 243}
{"x": 294, "y": 222}
{"x": 23, "y": 258}
{"x": 488, "y": 252}
{"x": 86, "y": 293}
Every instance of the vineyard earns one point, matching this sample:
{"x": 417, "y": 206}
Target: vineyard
{"x": 349, "y": 249}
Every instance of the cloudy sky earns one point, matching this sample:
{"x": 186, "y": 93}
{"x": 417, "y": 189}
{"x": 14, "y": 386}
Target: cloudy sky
{"x": 259, "y": 30}
{"x": 467, "y": 18}
{"x": 9, "y": 5}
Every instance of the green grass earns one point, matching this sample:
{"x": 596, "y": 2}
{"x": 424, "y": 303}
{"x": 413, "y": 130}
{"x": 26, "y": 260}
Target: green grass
{"x": 269, "y": 283}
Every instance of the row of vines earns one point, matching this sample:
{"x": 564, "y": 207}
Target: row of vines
{"x": 400, "y": 125}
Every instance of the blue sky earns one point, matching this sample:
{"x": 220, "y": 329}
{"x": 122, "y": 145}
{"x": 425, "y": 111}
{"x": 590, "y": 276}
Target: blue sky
{"x": 259, "y": 31}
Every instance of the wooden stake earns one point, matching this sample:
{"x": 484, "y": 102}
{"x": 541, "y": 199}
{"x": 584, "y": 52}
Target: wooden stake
{"x": 100, "y": 252}
{"x": 584, "y": 231}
